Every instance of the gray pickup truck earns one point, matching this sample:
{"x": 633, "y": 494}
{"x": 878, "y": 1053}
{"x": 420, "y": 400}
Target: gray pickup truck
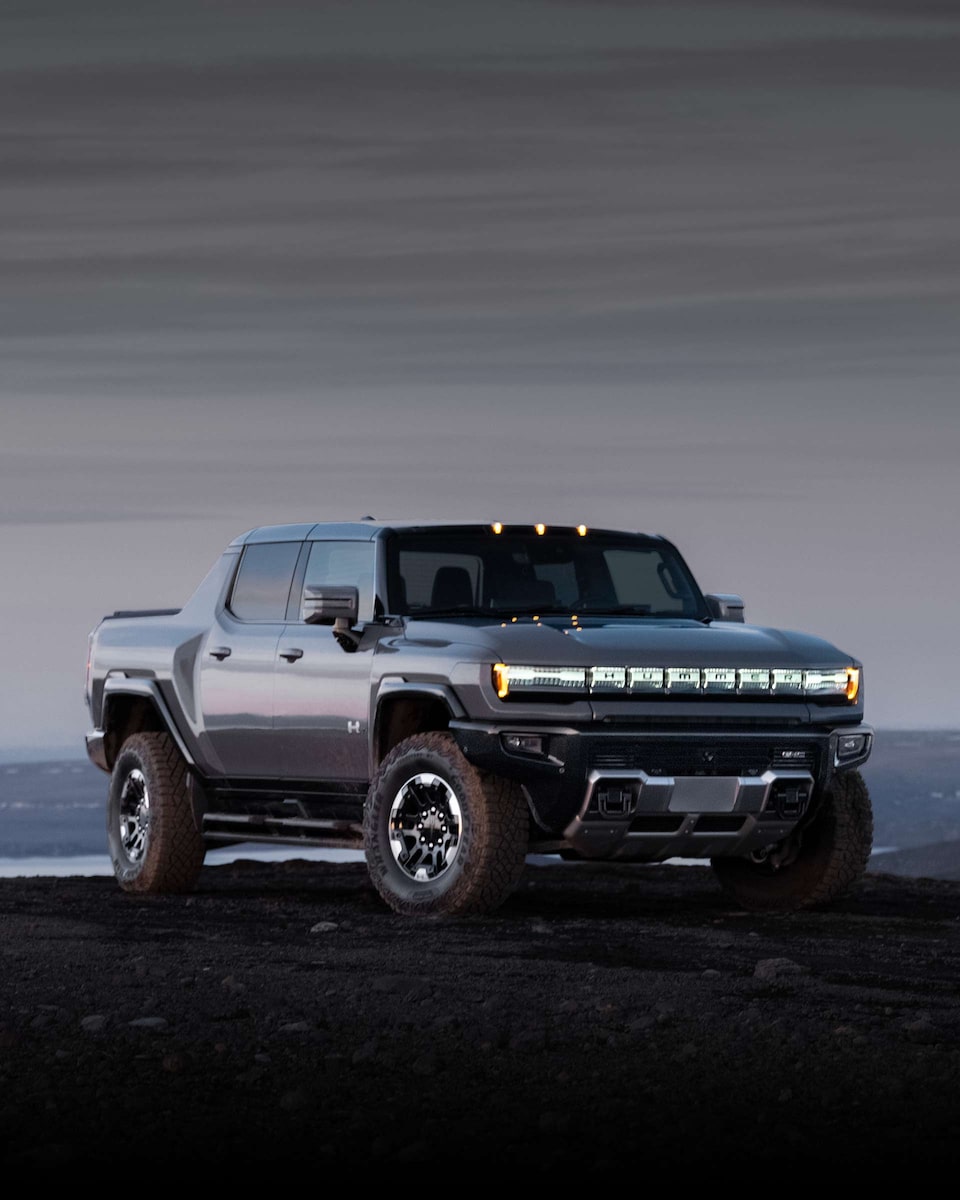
{"x": 454, "y": 697}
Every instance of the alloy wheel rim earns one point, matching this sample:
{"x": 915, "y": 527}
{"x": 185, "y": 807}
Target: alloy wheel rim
{"x": 425, "y": 827}
{"x": 134, "y": 815}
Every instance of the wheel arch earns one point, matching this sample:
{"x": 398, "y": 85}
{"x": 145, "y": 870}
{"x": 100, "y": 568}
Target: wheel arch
{"x": 407, "y": 707}
{"x": 135, "y": 706}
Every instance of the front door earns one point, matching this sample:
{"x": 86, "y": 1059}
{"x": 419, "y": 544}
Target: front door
{"x": 322, "y": 692}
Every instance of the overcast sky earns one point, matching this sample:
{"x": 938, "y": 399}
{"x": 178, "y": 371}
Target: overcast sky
{"x": 693, "y": 269}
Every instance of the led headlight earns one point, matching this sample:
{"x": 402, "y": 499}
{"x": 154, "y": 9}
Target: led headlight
{"x": 845, "y": 682}
{"x": 508, "y": 679}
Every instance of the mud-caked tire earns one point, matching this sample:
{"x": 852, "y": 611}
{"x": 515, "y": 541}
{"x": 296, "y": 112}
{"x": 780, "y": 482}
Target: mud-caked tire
{"x": 154, "y": 842}
{"x": 442, "y": 838}
{"x": 820, "y": 862}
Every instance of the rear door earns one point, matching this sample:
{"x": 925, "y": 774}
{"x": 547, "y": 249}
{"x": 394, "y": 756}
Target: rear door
{"x": 322, "y": 699}
{"x": 238, "y": 664}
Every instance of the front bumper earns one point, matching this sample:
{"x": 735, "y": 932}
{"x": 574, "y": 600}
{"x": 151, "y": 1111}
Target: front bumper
{"x": 656, "y": 793}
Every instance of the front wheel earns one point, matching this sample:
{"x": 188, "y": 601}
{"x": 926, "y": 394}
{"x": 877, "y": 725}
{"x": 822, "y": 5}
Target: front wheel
{"x": 818, "y": 863}
{"x": 154, "y": 842}
{"x": 441, "y": 838}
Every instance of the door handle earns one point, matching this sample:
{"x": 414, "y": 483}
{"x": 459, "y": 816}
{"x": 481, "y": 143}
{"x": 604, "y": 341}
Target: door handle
{"x": 292, "y": 654}
{"x": 220, "y": 652}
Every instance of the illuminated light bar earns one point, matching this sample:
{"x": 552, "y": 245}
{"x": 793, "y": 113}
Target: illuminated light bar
{"x": 719, "y": 679}
{"x": 753, "y": 679}
{"x": 683, "y": 679}
{"x": 509, "y": 679}
{"x": 607, "y": 679}
{"x": 646, "y": 679}
{"x": 843, "y": 682}
{"x": 787, "y": 682}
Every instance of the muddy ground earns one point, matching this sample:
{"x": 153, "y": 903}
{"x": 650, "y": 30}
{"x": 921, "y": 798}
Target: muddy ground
{"x": 607, "y": 1015}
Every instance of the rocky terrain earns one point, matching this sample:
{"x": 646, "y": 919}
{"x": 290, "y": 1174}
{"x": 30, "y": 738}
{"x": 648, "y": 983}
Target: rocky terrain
{"x": 606, "y": 1014}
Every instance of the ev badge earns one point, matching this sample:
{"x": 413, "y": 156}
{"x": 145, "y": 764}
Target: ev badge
{"x": 353, "y": 727}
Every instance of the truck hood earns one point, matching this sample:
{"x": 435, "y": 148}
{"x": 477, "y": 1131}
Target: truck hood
{"x": 627, "y": 642}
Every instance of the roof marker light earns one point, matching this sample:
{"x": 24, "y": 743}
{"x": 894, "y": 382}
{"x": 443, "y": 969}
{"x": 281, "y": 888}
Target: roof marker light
{"x": 582, "y": 530}
{"x": 497, "y": 527}
{"x": 541, "y": 529}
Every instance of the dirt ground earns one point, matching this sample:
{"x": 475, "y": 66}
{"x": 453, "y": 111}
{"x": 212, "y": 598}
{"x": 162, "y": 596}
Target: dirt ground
{"x": 608, "y": 1014}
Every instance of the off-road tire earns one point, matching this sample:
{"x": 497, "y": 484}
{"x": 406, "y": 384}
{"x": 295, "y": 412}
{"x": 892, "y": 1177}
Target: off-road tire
{"x": 834, "y": 849}
{"x": 493, "y": 838}
{"x": 171, "y": 854}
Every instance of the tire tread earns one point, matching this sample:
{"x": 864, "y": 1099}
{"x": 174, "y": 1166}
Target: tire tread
{"x": 498, "y": 841}
{"x": 830, "y": 871}
{"x": 175, "y": 849}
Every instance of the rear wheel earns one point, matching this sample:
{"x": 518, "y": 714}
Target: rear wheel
{"x": 154, "y": 842}
{"x": 442, "y": 838}
{"x": 819, "y": 862}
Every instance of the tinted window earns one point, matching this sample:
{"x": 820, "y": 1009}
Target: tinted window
{"x": 418, "y": 571}
{"x": 649, "y": 579}
{"x": 343, "y": 564}
{"x": 480, "y": 572}
{"x": 262, "y": 587}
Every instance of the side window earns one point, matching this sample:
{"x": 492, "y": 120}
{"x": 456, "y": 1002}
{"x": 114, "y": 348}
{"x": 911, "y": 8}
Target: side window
{"x": 262, "y": 587}
{"x": 343, "y": 564}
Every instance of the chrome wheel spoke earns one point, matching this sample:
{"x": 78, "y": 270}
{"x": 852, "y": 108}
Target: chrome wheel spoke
{"x": 425, "y": 824}
{"x": 134, "y": 817}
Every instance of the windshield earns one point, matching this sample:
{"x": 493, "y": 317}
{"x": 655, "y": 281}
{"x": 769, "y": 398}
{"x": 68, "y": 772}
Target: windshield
{"x": 475, "y": 572}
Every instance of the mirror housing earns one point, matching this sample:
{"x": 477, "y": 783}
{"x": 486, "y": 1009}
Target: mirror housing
{"x": 725, "y": 606}
{"x": 337, "y": 604}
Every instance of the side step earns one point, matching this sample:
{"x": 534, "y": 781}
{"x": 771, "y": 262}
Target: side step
{"x": 236, "y": 827}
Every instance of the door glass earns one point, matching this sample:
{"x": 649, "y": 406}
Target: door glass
{"x": 343, "y": 564}
{"x": 262, "y": 587}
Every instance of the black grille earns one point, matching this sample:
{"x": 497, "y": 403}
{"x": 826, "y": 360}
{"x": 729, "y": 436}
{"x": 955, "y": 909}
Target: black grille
{"x": 746, "y": 756}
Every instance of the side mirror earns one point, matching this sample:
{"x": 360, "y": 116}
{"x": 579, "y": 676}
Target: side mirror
{"x": 330, "y": 604}
{"x": 725, "y": 606}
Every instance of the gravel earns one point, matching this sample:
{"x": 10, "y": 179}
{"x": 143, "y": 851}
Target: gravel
{"x": 606, "y": 1014}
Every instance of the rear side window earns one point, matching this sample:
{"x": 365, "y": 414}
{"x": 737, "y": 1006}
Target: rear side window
{"x": 262, "y": 586}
